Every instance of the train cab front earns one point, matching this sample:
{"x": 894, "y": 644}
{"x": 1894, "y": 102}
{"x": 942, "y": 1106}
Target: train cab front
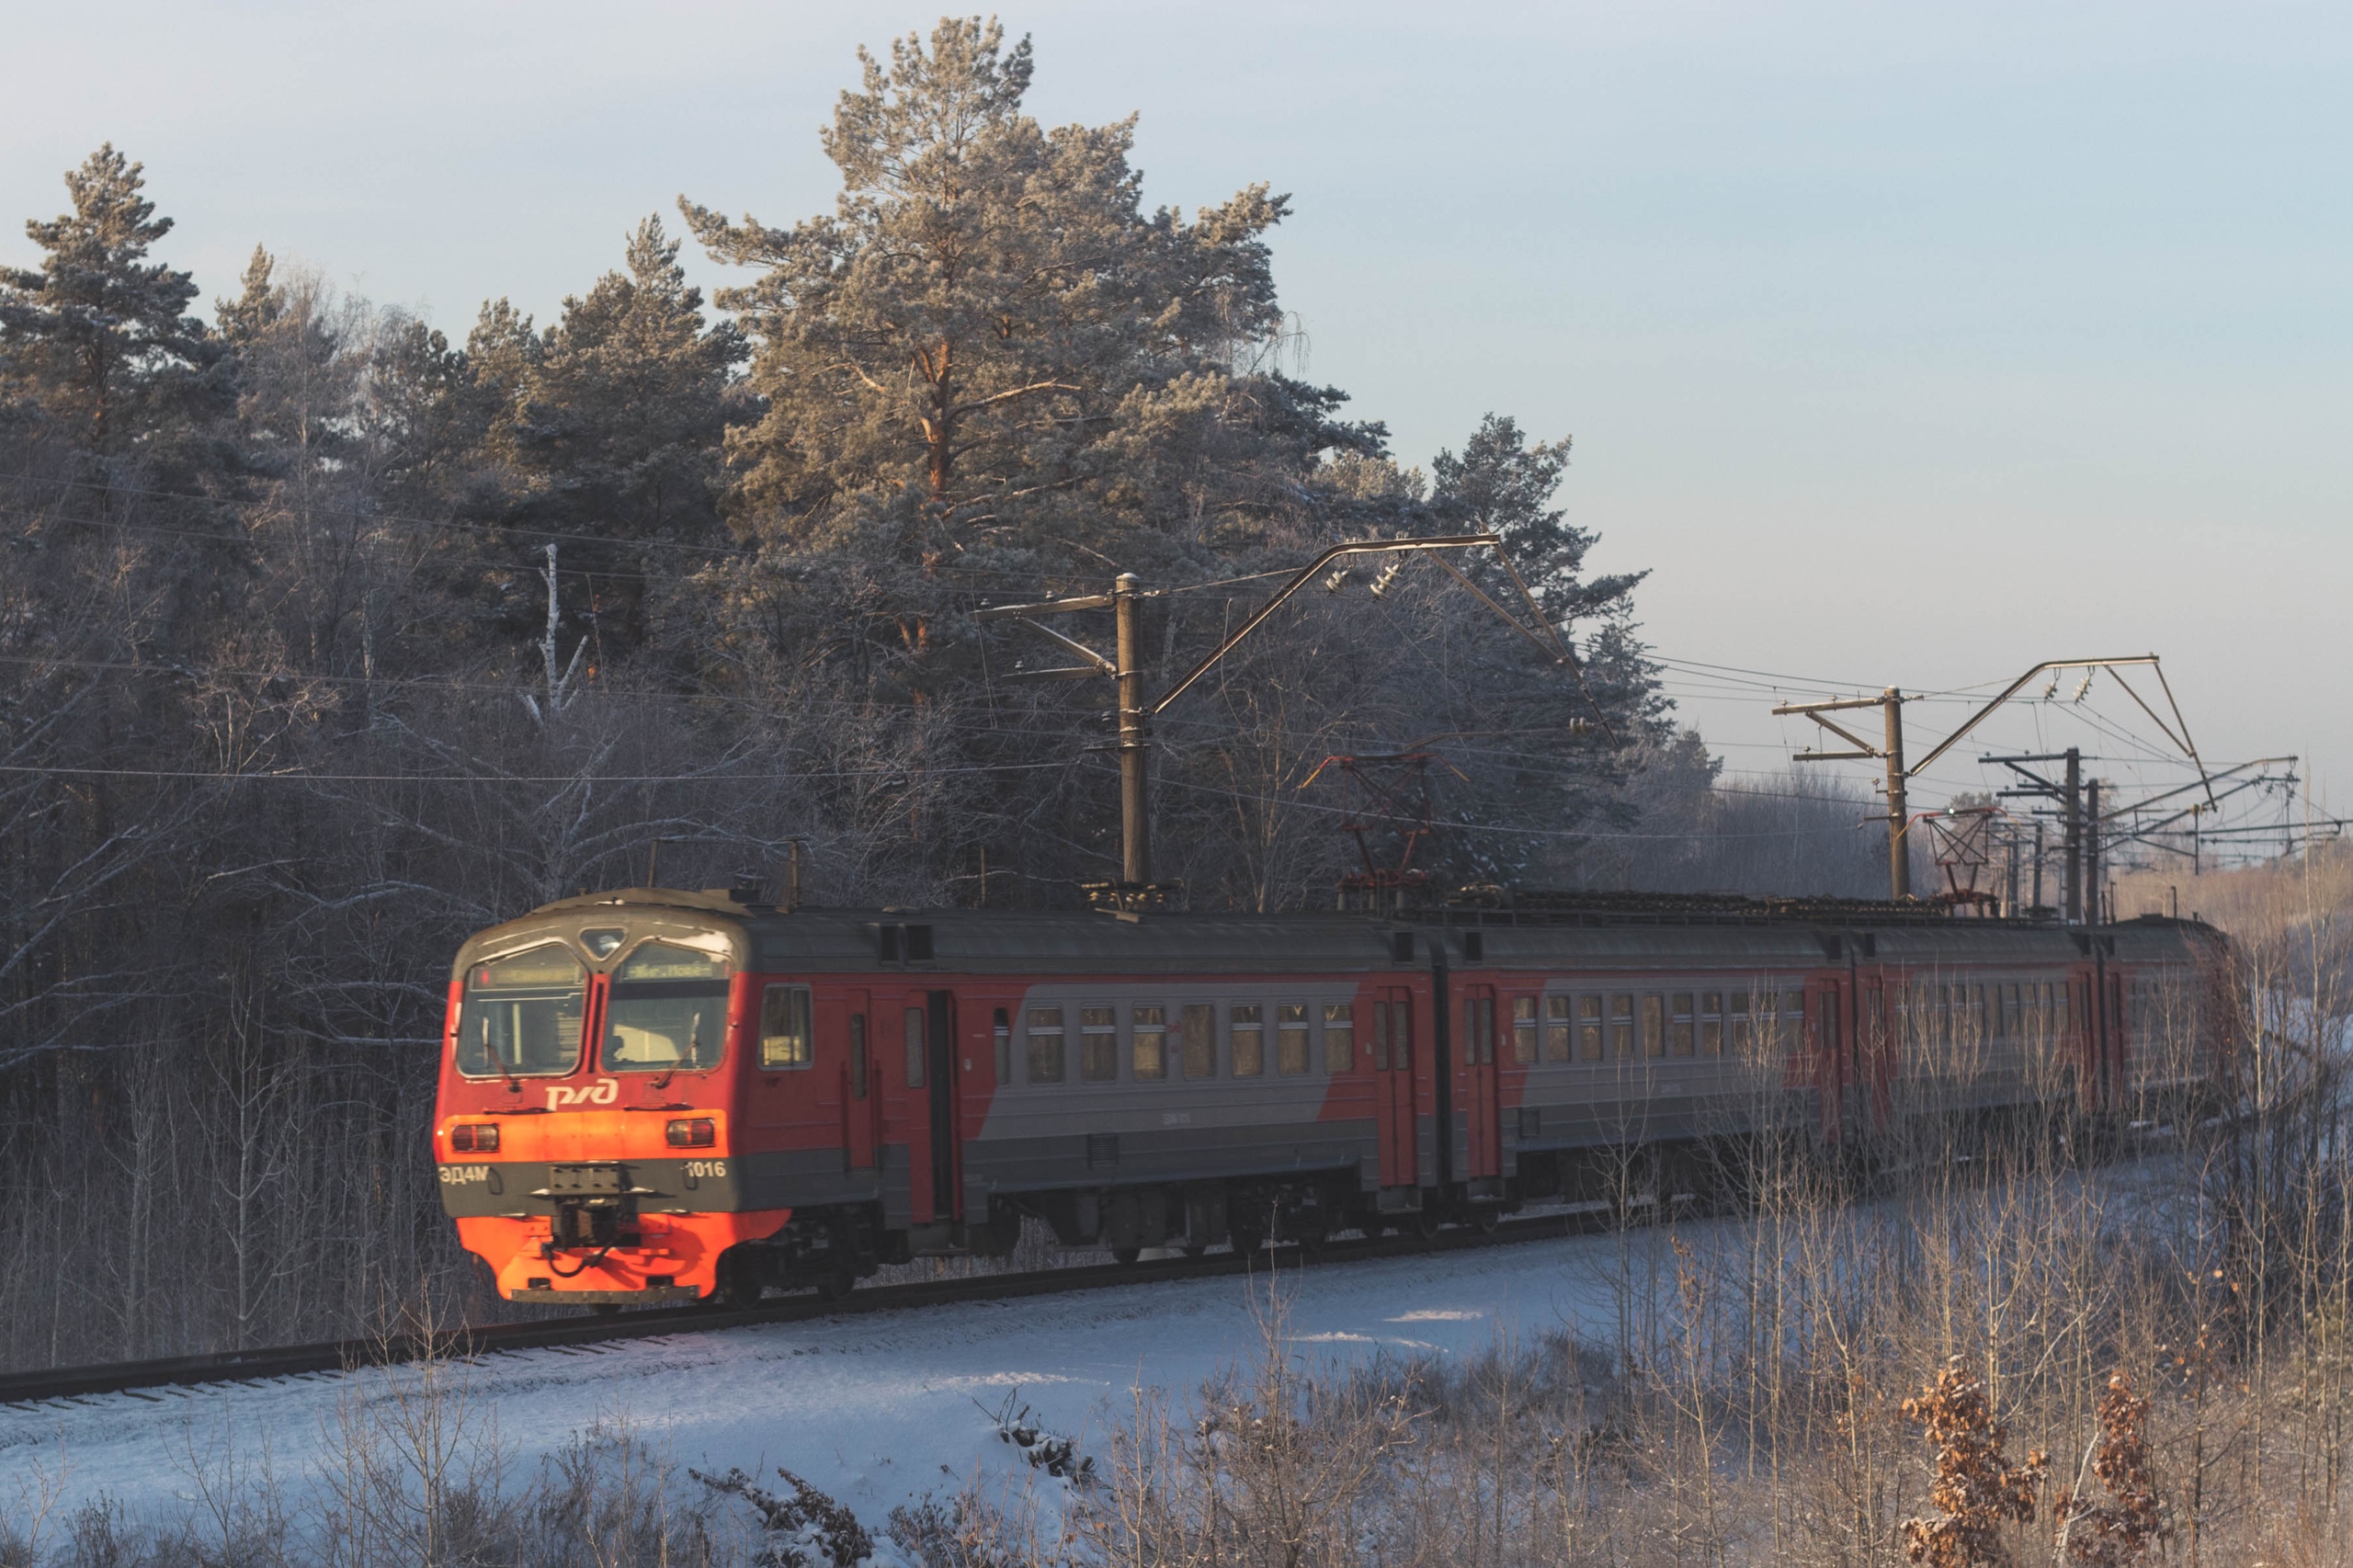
{"x": 583, "y": 1133}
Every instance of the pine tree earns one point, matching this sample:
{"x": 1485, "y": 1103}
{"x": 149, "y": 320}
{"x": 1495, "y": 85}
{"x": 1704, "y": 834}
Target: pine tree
{"x": 417, "y": 417}
{"x": 500, "y": 353}
{"x": 609, "y": 425}
{"x": 991, "y": 325}
{"x": 244, "y": 319}
{"x": 620, "y": 416}
{"x": 1502, "y": 485}
{"x": 97, "y": 335}
{"x": 295, "y": 351}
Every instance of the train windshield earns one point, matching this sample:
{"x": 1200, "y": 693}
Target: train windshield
{"x": 669, "y": 1011}
{"x": 520, "y": 1016}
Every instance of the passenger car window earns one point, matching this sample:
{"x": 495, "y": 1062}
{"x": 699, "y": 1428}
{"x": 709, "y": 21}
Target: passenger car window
{"x": 1523, "y": 1030}
{"x": 1290, "y": 1039}
{"x": 915, "y": 1048}
{"x": 1197, "y": 1032}
{"x": 1045, "y": 1034}
{"x": 520, "y": 1015}
{"x": 1098, "y": 1044}
{"x": 1148, "y": 1043}
{"x": 1711, "y": 1023}
{"x": 669, "y": 1011}
{"x": 858, "y": 1056}
{"x": 1679, "y": 1040}
{"x": 1556, "y": 1027}
{"x": 1249, "y": 1042}
{"x": 1621, "y": 1026}
{"x": 1653, "y": 1031}
{"x": 1589, "y": 1027}
{"x": 1339, "y": 1035}
{"x": 784, "y": 1026}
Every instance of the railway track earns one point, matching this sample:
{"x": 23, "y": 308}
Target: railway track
{"x": 82, "y": 1384}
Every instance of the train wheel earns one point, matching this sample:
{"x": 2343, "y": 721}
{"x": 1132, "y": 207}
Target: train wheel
{"x": 739, "y": 1282}
{"x": 837, "y": 1282}
{"x": 1311, "y": 1232}
{"x": 1486, "y": 1218}
{"x": 1422, "y": 1224}
{"x": 605, "y": 1309}
{"x": 1125, "y": 1256}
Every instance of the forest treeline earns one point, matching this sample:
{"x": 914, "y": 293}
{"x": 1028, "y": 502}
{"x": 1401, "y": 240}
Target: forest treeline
{"x": 326, "y": 637}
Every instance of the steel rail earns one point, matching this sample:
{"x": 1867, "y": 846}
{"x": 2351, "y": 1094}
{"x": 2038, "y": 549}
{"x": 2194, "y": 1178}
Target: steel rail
{"x": 79, "y": 1384}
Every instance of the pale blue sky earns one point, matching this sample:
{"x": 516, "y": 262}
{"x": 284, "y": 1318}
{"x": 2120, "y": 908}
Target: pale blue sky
{"x": 1904, "y": 343}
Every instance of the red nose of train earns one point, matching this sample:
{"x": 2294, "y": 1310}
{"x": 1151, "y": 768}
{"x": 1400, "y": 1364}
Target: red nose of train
{"x": 597, "y": 1205}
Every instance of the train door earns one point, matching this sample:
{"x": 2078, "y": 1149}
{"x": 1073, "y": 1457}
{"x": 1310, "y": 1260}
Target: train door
{"x": 2115, "y": 1057}
{"x": 861, "y": 1105}
{"x": 940, "y": 1048}
{"x": 927, "y": 1034}
{"x": 1393, "y": 1078}
{"x": 1873, "y": 1054}
{"x": 1827, "y": 1042}
{"x": 1476, "y": 1077}
{"x": 2085, "y": 1035}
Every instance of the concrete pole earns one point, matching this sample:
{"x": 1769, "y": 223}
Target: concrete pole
{"x": 2037, "y": 903}
{"x": 2095, "y": 887}
{"x": 2072, "y": 833}
{"x": 1135, "y": 814}
{"x": 1899, "y": 848}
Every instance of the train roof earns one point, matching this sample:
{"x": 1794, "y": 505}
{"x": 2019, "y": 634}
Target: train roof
{"x": 1600, "y": 932}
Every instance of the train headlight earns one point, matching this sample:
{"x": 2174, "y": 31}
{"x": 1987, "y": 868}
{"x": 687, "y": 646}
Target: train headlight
{"x": 699, "y": 1132}
{"x": 480, "y": 1138}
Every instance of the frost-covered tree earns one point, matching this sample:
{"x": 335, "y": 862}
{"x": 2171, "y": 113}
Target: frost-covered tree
{"x": 620, "y": 415}
{"x": 1500, "y": 484}
{"x": 614, "y": 419}
{"x": 273, "y": 591}
{"x": 97, "y": 334}
{"x": 990, "y": 321}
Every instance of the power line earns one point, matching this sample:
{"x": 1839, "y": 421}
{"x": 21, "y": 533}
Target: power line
{"x": 1489, "y": 827}
{"x": 294, "y": 777}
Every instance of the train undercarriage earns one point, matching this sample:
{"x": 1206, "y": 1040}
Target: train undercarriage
{"x": 829, "y": 1250}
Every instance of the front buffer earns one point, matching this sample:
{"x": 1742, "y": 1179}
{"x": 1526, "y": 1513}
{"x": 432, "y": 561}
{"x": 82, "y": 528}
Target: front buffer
{"x": 583, "y": 1231}
{"x": 671, "y": 1257}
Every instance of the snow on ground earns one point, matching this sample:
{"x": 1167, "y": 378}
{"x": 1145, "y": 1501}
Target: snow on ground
{"x": 877, "y": 1409}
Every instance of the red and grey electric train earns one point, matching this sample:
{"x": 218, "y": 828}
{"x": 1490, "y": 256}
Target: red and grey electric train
{"x": 654, "y": 1096}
